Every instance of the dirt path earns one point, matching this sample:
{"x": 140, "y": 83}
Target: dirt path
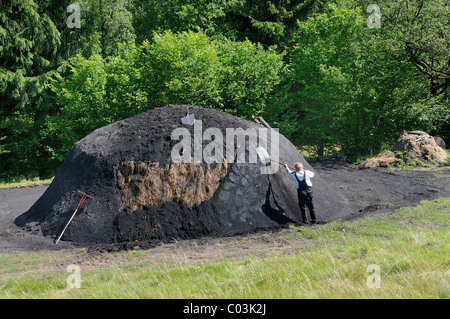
{"x": 371, "y": 191}
{"x": 13, "y": 202}
{"x": 377, "y": 190}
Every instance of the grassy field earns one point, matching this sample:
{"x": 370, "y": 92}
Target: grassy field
{"x": 25, "y": 182}
{"x": 400, "y": 255}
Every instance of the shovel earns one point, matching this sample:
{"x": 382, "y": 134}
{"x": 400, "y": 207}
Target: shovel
{"x": 189, "y": 119}
{"x": 83, "y": 198}
{"x": 265, "y": 157}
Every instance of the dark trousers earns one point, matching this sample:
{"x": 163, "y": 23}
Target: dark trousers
{"x": 305, "y": 199}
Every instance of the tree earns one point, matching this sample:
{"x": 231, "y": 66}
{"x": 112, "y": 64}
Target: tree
{"x": 97, "y": 92}
{"x": 346, "y": 88}
{"x": 248, "y": 76}
{"x": 266, "y": 22}
{"x": 109, "y": 23}
{"x": 28, "y": 44}
{"x": 190, "y": 67}
{"x": 181, "y": 68}
{"x": 175, "y": 68}
{"x": 177, "y": 16}
{"x": 422, "y": 30}
{"x": 35, "y": 44}
{"x": 417, "y": 31}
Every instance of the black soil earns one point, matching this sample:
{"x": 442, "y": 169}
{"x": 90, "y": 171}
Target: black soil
{"x": 372, "y": 192}
{"x": 246, "y": 201}
{"x": 383, "y": 189}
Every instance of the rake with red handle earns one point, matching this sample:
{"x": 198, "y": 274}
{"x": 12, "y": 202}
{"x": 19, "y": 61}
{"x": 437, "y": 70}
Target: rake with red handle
{"x": 83, "y": 198}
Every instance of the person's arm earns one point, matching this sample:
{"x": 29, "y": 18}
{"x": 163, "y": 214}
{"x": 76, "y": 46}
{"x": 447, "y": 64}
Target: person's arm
{"x": 287, "y": 168}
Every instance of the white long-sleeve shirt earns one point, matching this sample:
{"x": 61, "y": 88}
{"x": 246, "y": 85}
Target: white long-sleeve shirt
{"x": 301, "y": 175}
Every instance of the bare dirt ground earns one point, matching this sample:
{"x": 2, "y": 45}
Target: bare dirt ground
{"x": 371, "y": 191}
{"x": 13, "y": 202}
{"x": 378, "y": 190}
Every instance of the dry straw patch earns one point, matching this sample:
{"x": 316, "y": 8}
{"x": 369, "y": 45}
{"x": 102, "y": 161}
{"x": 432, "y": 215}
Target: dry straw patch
{"x": 146, "y": 183}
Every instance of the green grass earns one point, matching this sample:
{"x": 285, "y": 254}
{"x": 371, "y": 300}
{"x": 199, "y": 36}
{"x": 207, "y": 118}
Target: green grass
{"x": 24, "y": 182}
{"x": 448, "y": 156}
{"x": 22, "y": 262}
{"x": 410, "y": 247}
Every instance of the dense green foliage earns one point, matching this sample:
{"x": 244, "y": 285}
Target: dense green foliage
{"x": 262, "y": 21}
{"x": 319, "y": 70}
{"x": 352, "y": 86}
{"x": 181, "y": 68}
{"x": 28, "y": 45}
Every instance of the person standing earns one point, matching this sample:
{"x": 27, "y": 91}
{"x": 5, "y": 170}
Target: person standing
{"x": 302, "y": 179}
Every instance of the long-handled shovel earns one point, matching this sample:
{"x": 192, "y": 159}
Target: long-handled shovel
{"x": 83, "y": 198}
{"x": 265, "y": 157}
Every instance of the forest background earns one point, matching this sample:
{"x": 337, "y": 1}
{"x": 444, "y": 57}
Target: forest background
{"x": 334, "y": 76}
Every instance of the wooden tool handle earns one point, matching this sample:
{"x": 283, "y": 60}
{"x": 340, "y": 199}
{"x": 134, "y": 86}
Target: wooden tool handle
{"x": 84, "y": 194}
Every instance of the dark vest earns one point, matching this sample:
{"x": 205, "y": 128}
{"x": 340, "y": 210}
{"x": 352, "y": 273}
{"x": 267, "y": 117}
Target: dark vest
{"x": 302, "y": 186}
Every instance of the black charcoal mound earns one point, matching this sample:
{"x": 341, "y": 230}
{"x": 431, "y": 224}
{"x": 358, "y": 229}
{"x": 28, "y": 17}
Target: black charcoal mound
{"x": 141, "y": 195}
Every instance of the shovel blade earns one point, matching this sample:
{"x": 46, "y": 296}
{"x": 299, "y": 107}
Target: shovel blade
{"x": 263, "y": 154}
{"x": 188, "y": 119}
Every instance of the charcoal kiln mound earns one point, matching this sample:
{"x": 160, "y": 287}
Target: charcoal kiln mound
{"x": 142, "y": 193}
